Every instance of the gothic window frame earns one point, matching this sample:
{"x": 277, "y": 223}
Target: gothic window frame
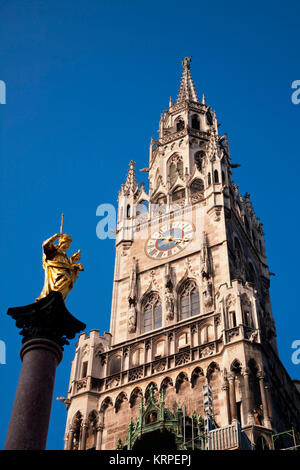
{"x": 195, "y": 118}
{"x": 216, "y": 177}
{"x": 178, "y": 194}
{"x": 198, "y": 159}
{"x": 175, "y": 168}
{"x": 179, "y": 123}
{"x": 186, "y": 290}
{"x": 194, "y": 189}
{"x": 152, "y": 302}
{"x": 111, "y": 364}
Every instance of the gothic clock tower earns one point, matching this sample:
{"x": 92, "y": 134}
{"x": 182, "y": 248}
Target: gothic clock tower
{"x": 191, "y": 358}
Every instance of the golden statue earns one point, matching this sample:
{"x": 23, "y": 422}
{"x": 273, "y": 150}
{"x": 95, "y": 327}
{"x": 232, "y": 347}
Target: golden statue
{"x": 60, "y": 271}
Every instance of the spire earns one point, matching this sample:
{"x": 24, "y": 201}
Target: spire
{"x": 131, "y": 184}
{"x": 187, "y": 88}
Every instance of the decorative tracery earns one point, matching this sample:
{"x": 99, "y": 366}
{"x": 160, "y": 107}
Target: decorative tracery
{"x": 189, "y": 300}
{"x": 152, "y": 312}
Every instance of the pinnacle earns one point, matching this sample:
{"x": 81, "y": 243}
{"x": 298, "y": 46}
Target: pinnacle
{"x": 187, "y": 89}
{"x": 131, "y": 183}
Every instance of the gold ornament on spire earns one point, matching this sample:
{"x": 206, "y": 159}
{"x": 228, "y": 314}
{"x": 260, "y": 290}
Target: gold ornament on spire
{"x": 60, "y": 271}
{"x": 186, "y": 62}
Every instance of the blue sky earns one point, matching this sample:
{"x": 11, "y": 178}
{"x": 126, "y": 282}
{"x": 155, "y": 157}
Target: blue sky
{"x": 86, "y": 83}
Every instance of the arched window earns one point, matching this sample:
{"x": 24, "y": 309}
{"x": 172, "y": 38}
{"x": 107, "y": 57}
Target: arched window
{"x": 195, "y": 122}
{"x": 223, "y": 177}
{"x": 216, "y": 176}
{"x": 199, "y": 156}
{"x": 179, "y": 125}
{"x": 128, "y": 211}
{"x": 209, "y": 179}
{"x": 197, "y": 186}
{"x": 172, "y": 173}
{"x": 178, "y": 194}
{"x": 251, "y": 274}
{"x": 189, "y": 300}
{"x": 115, "y": 365}
{"x": 175, "y": 168}
{"x": 247, "y": 224}
{"x": 152, "y": 312}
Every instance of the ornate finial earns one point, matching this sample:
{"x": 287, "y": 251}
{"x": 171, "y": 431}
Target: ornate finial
{"x": 203, "y": 99}
{"x": 186, "y": 63}
{"x": 170, "y": 102}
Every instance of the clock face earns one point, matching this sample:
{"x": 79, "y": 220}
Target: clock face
{"x": 169, "y": 240}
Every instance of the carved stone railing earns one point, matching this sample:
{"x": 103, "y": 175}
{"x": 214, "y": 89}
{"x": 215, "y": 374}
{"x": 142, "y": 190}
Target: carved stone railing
{"x": 232, "y": 334}
{"x": 229, "y": 437}
{"x": 136, "y": 373}
{"x": 97, "y": 384}
{"x": 80, "y": 384}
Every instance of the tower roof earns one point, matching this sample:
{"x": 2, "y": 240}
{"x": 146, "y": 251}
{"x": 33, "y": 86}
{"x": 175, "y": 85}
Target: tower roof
{"x": 187, "y": 88}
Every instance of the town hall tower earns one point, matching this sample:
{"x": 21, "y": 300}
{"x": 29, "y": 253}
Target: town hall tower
{"x": 191, "y": 359}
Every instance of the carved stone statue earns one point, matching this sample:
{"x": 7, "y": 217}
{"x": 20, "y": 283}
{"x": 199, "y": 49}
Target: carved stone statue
{"x": 169, "y": 304}
{"x": 131, "y": 318}
{"x": 60, "y": 271}
{"x": 132, "y": 297}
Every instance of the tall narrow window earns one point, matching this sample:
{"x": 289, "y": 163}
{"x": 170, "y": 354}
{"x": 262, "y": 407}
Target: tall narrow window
{"x": 84, "y": 369}
{"x": 189, "y": 300}
{"x": 152, "y": 313}
{"x": 175, "y": 169}
{"x": 223, "y": 177}
{"x": 179, "y": 125}
{"x": 232, "y": 319}
{"x": 199, "y": 157}
{"x": 128, "y": 211}
{"x": 195, "y": 122}
{"x": 216, "y": 176}
{"x": 209, "y": 179}
{"x": 115, "y": 365}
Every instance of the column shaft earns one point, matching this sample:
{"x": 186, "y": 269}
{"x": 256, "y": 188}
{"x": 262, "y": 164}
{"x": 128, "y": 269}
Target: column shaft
{"x": 30, "y": 416}
{"x": 232, "y": 396}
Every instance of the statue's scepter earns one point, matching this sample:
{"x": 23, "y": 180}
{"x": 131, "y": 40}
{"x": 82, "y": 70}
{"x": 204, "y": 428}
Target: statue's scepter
{"x": 62, "y": 224}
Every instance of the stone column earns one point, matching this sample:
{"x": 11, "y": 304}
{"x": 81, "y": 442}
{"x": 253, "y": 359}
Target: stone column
{"x": 45, "y": 325}
{"x": 233, "y": 408}
{"x": 269, "y": 402}
{"x": 30, "y": 416}
{"x": 83, "y": 435}
{"x": 70, "y": 439}
{"x": 99, "y": 437}
{"x": 248, "y": 397}
{"x": 226, "y": 389}
{"x": 267, "y": 422}
{"x": 100, "y": 431}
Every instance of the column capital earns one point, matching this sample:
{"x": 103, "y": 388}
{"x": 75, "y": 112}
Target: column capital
{"x": 245, "y": 371}
{"x": 85, "y": 424}
{"x": 48, "y": 319}
{"x": 225, "y": 385}
{"x": 260, "y": 375}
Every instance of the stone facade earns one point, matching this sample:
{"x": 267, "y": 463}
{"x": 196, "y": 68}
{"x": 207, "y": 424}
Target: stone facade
{"x": 190, "y": 304}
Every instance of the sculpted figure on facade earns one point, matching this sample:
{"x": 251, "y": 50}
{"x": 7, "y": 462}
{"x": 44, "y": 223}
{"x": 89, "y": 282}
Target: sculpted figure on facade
{"x": 169, "y": 304}
{"x": 132, "y": 297}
